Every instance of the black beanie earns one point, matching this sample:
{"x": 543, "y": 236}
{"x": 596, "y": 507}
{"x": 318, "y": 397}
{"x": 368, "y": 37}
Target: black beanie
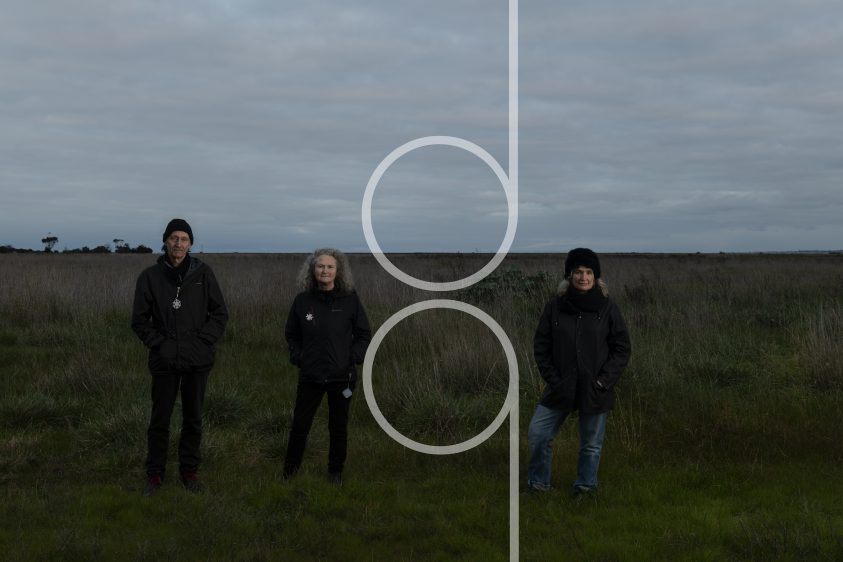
{"x": 177, "y": 224}
{"x": 582, "y": 257}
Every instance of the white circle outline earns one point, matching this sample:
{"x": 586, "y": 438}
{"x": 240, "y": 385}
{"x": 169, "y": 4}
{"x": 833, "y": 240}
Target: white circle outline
{"x": 511, "y": 395}
{"x": 512, "y": 213}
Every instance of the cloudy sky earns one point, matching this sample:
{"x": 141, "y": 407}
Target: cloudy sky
{"x": 645, "y": 125}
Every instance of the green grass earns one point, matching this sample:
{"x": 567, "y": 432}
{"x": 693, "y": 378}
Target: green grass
{"x": 711, "y": 511}
{"x": 724, "y": 445}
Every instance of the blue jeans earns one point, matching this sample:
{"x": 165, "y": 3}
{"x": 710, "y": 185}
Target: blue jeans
{"x": 543, "y": 428}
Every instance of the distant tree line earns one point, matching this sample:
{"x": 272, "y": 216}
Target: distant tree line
{"x": 49, "y": 241}
{"x": 122, "y": 249}
{"x": 7, "y": 249}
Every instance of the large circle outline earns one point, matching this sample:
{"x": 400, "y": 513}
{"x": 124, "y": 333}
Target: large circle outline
{"x": 511, "y": 395}
{"x": 512, "y": 213}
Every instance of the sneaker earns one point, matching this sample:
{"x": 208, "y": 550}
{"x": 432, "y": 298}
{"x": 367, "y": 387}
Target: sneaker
{"x": 153, "y": 482}
{"x": 533, "y": 490}
{"x": 191, "y": 482}
{"x": 335, "y": 478}
{"x": 582, "y": 492}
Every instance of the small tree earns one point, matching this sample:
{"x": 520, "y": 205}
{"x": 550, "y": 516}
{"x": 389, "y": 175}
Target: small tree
{"x": 49, "y": 241}
{"x": 121, "y": 247}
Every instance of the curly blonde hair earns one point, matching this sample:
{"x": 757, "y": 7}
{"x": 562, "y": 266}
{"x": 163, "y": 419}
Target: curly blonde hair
{"x": 344, "y": 281}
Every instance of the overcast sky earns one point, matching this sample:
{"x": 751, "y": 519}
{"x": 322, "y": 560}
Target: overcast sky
{"x": 645, "y": 125}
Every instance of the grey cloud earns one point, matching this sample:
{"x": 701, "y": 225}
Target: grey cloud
{"x": 644, "y": 125}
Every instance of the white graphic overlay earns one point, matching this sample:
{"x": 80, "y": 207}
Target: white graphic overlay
{"x": 512, "y": 213}
{"x": 510, "y": 185}
{"x": 511, "y": 395}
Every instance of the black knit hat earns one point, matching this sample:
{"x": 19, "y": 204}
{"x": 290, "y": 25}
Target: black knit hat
{"x": 177, "y": 224}
{"x": 582, "y": 257}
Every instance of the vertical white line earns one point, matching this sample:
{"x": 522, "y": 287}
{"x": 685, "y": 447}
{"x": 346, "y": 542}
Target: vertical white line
{"x": 514, "y": 507}
{"x": 513, "y": 95}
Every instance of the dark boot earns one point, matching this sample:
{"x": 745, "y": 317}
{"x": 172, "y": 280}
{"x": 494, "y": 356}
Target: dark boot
{"x": 191, "y": 483}
{"x": 153, "y": 483}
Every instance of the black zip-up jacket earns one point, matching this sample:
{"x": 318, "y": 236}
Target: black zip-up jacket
{"x": 327, "y": 334}
{"x": 575, "y": 349}
{"x": 181, "y": 337}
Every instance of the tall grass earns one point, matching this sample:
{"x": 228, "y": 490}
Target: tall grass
{"x": 732, "y": 395}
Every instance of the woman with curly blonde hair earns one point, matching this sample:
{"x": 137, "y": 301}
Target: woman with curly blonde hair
{"x": 343, "y": 279}
{"x": 327, "y": 333}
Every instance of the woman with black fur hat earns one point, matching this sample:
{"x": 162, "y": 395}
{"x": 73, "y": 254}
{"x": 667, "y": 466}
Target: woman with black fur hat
{"x": 581, "y": 348}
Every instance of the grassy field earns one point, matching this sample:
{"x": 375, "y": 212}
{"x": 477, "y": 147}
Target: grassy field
{"x": 725, "y": 443}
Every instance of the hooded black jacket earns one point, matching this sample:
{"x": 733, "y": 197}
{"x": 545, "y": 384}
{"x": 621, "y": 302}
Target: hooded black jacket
{"x": 327, "y": 334}
{"x": 574, "y": 349}
{"x": 181, "y": 338}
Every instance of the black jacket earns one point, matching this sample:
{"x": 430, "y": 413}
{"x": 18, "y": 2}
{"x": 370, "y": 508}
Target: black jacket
{"x": 575, "y": 349}
{"x": 327, "y": 334}
{"x": 184, "y": 337}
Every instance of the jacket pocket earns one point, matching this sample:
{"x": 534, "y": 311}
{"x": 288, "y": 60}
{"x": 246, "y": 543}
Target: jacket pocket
{"x": 162, "y": 358}
{"x": 194, "y": 352}
{"x": 597, "y": 400}
{"x": 295, "y": 357}
{"x": 158, "y": 364}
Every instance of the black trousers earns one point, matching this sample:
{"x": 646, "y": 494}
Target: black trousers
{"x": 308, "y": 397}
{"x": 165, "y": 389}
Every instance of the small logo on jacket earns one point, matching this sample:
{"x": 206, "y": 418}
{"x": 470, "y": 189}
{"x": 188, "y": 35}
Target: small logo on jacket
{"x": 309, "y": 316}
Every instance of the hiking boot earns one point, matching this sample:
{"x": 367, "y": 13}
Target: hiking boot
{"x": 153, "y": 482}
{"x": 191, "y": 482}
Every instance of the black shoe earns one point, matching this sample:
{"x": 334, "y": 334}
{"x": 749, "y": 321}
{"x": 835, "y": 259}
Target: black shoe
{"x": 335, "y": 478}
{"x": 289, "y": 472}
{"x": 153, "y": 482}
{"x": 191, "y": 482}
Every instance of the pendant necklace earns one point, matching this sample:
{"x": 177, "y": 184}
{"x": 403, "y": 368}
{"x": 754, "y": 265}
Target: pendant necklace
{"x": 176, "y": 301}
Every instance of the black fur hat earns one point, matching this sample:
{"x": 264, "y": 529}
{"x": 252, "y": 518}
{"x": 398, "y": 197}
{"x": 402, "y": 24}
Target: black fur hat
{"x": 584, "y": 257}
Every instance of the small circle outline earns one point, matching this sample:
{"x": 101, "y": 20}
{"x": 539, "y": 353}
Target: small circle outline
{"x": 509, "y": 404}
{"x": 510, "y": 190}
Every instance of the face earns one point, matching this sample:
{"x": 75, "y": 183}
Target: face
{"x": 582, "y": 278}
{"x": 178, "y": 244}
{"x": 325, "y": 271}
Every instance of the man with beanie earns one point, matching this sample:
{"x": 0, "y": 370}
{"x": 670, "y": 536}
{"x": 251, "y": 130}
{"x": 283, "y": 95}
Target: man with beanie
{"x": 581, "y": 347}
{"x": 179, "y": 314}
